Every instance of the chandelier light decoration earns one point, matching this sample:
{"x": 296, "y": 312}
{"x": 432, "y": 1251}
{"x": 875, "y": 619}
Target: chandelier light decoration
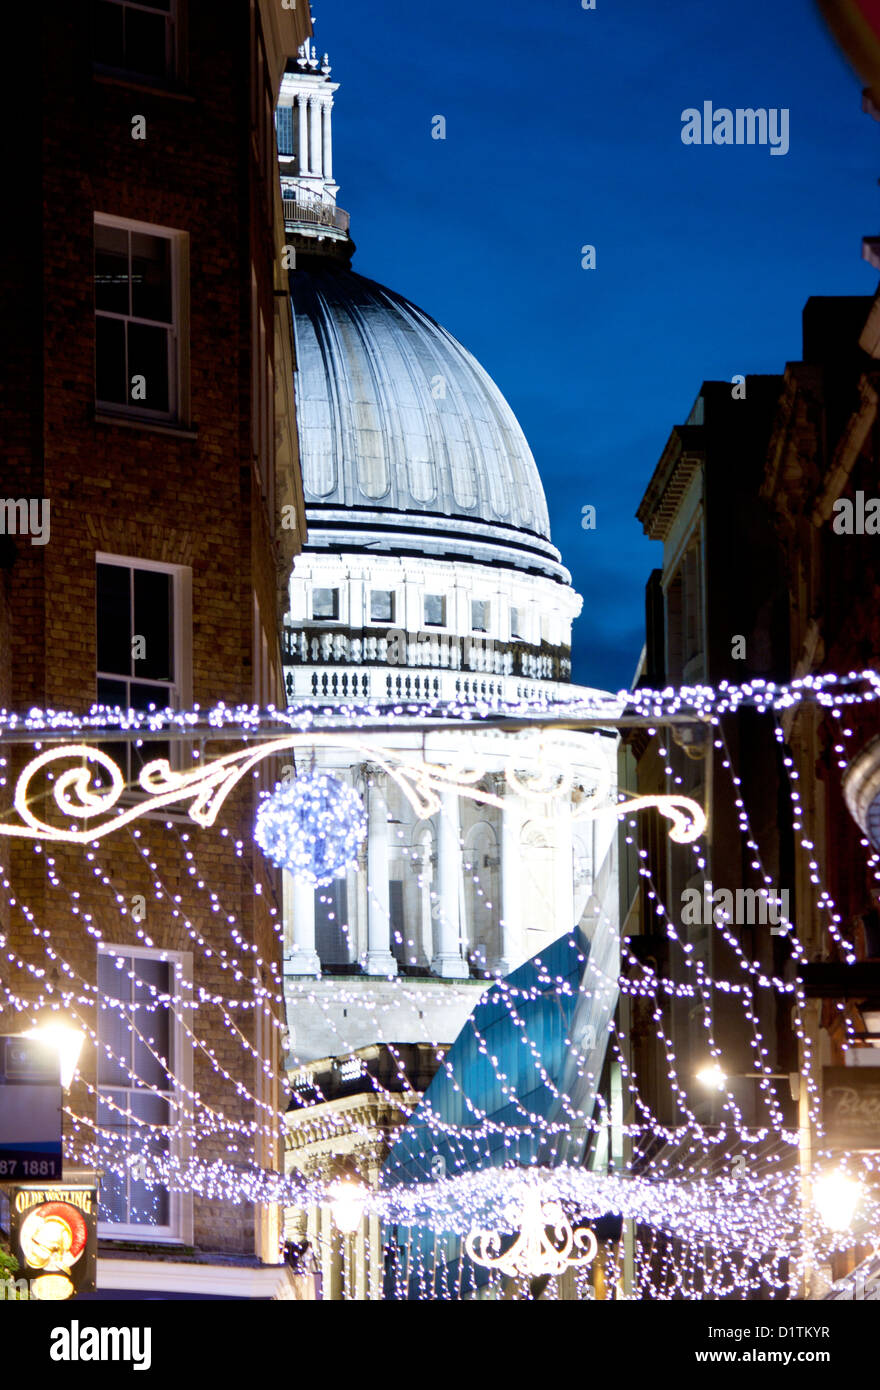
{"x": 534, "y": 1252}
{"x": 313, "y": 826}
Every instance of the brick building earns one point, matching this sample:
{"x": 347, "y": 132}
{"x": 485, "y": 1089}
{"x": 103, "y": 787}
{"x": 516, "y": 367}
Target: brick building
{"x": 149, "y": 422}
{"x": 762, "y": 500}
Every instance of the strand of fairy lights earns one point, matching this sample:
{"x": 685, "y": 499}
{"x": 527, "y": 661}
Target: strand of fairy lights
{"x": 703, "y": 703}
{"x": 30, "y": 1006}
{"x": 728, "y": 936}
{"x": 813, "y": 1097}
{"x": 726, "y": 1214}
{"x": 744, "y": 993}
{"x": 809, "y": 1081}
{"x": 194, "y": 1097}
{"x": 175, "y": 1001}
{"x": 691, "y": 962}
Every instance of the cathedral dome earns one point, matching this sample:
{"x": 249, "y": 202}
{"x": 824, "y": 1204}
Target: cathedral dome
{"x": 406, "y": 443}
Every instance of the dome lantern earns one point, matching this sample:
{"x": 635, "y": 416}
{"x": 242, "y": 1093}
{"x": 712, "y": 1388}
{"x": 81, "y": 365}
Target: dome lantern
{"x": 305, "y": 153}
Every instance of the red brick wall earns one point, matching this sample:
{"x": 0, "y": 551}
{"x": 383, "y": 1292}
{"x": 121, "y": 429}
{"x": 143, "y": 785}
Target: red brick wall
{"x": 156, "y": 496}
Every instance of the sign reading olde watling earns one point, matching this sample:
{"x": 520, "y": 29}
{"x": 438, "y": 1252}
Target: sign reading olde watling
{"x": 54, "y": 1236}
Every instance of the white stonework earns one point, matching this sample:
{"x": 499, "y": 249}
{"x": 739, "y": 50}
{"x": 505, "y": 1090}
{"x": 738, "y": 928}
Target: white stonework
{"x": 428, "y": 577}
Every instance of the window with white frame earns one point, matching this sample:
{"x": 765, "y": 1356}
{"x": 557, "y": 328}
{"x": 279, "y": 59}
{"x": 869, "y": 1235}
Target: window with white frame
{"x": 435, "y": 610}
{"x": 325, "y": 604}
{"x": 143, "y": 634}
{"x": 381, "y": 606}
{"x": 517, "y": 625}
{"x": 479, "y": 615}
{"x": 139, "y": 313}
{"x": 136, "y": 36}
{"x": 144, "y": 1072}
{"x": 262, "y": 401}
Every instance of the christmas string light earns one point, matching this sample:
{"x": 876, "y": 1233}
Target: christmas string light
{"x": 762, "y": 981}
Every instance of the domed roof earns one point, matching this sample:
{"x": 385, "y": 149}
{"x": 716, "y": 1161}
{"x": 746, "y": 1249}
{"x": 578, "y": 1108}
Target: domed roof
{"x": 401, "y": 426}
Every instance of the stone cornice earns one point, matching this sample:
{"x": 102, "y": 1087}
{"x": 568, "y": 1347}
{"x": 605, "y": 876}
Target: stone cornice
{"x": 680, "y": 460}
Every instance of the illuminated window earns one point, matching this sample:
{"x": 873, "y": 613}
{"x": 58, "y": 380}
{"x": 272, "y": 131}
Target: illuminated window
{"x": 143, "y": 1065}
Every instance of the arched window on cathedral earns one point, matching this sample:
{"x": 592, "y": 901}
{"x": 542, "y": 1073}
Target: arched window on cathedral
{"x": 538, "y": 888}
{"x": 421, "y": 888}
{"x": 582, "y": 868}
{"x": 481, "y": 865}
{"x": 332, "y": 934}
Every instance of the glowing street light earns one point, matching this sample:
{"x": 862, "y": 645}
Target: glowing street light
{"x": 713, "y": 1076}
{"x": 836, "y": 1196}
{"x": 64, "y": 1039}
{"x": 347, "y": 1201}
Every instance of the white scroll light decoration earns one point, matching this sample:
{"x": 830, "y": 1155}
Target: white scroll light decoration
{"x": 79, "y": 796}
{"x": 534, "y": 1252}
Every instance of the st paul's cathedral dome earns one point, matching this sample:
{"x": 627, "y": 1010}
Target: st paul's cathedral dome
{"x": 427, "y": 578}
{"x": 402, "y": 433}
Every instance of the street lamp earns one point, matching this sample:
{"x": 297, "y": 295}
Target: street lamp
{"x": 713, "y": 1076}
{"x": 64, "y": 1039}
{"x": 836, "y": 1196}
{"x": 348, "y": 1197}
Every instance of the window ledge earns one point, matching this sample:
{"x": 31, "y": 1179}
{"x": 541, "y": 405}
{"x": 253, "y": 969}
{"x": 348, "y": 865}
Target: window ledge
{"x": 118, "y": 79}
{"x": 135, "y": 422}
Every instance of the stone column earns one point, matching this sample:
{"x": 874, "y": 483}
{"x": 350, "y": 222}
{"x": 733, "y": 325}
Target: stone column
{"x": 425, "y": 863}
{"x": 512, "y": 949}
{"x": 331, "y": 1257}
{"x": 328, "y": 142}
{"x": 377, "y": 1264}
{"x": 299, "y": 928}
{"x": 302, "y": 108}
{"x": 564, "y": 868}
{"x": 315, "y": 105}
{"x": 380, "y": 961}
{"x": 448, "y": 960}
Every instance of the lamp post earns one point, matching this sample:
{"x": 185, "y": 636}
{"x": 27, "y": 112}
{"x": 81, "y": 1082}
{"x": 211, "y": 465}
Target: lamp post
{"x": 836, "y": 1197}
{"x": 63, "y": 1038}
{"x": 713, "y": 1076}
{"x": 348, "y": 1197}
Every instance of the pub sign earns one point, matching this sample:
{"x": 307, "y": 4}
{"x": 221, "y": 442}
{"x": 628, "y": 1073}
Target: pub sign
{"x": 851, "y": 1107}
{"x": 54, "y": 1237}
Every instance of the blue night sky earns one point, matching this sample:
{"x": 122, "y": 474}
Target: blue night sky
{"x": 564, "y": 128}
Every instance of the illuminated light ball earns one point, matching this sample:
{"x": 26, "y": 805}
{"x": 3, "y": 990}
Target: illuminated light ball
{"x": 312, "y": 826}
